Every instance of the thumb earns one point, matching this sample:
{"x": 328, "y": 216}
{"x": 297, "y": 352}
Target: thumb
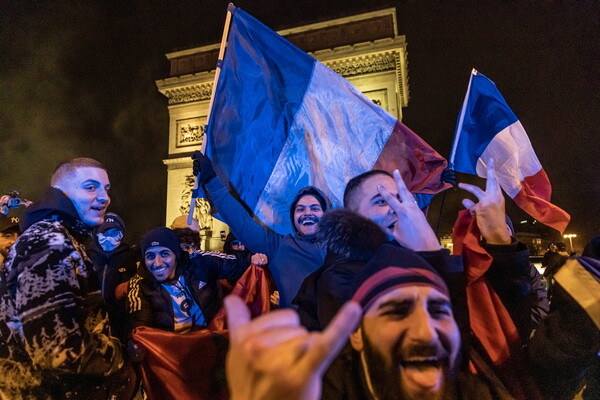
{"x": 468, "y": 203}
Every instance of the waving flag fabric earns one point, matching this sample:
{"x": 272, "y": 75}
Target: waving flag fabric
{"x": 280, "y": 121}
{"x": 487, "y": 128}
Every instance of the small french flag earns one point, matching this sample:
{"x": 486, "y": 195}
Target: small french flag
{"x": 487, "y": 128}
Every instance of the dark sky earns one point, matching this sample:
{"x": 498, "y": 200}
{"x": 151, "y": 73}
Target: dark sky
{"x": 77, "y": 78}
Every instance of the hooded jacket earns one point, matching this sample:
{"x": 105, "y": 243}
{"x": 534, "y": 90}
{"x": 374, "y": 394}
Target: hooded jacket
{"x": 291, "y": 257}
{"x": 113, "y": 268}
{"x": 58, "y": 329}
{"x": 149, "y": 303}
{"x": 351, "y": 241}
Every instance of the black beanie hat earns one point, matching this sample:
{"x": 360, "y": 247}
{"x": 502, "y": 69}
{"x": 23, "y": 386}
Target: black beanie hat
{"x": 161, "y": 236}
{"x": 391, "y": 267}
{"x": 111, "y": 220}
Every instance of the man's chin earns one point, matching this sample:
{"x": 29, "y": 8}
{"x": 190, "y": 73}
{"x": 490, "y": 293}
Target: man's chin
{"x": 309, "y": 231}
{"x": 91, "y": 222}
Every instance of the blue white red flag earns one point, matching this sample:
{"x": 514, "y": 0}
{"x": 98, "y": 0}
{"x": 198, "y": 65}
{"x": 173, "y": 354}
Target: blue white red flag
{"x": 281, "y": 120}
{"x": 487, "y": 128}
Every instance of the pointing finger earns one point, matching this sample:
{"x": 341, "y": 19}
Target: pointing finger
{"x": 405, "y": 195}
{"x": 333, "y": 338}
{"x": 237, "y": 313}
{"x": 492, "y": 182}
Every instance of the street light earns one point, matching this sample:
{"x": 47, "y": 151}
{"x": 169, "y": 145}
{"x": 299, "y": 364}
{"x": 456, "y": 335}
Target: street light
{"x": 570, "y": 236}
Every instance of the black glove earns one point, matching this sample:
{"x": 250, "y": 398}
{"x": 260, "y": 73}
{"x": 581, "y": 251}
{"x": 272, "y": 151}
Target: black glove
{"x": 203, "y": 166}
{"x": 449, "y": 176}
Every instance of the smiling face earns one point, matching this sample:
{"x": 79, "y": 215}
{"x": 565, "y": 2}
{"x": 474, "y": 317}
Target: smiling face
{"x": 87, "y": 188}
{"x": 307, "y": 214}
{"x": 370, "y": 204}
{"x": 160, "y": 262}
{"x": 7, "y": 239}
{"x": 410, "y": 342}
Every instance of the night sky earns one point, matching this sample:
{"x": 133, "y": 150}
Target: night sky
{"x": 77, "y": 78}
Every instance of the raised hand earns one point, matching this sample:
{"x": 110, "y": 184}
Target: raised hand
{"x": 202, "y": 167}
{"x": 490, "y": 209}
{"x": 273, "y": 357}
{"x": 411, "y": 229}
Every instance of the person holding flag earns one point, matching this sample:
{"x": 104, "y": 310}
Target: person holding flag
{"x": 292, "y": 257}
{"x": 279, "y": 121}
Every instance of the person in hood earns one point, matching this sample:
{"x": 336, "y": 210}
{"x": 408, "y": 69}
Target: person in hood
{"x": 292, "y": 257}
{"x": 59, "y": 336}
{"x": 115, "y": 262}
{"x": 177, "y": 291}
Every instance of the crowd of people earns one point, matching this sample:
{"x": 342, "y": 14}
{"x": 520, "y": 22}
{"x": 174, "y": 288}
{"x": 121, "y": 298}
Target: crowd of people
{"x": 369, "y": 304}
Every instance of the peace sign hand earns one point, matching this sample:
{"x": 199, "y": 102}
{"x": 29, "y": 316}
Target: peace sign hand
{"x": 490, "y": 210}
{"x": 411, "y": 229}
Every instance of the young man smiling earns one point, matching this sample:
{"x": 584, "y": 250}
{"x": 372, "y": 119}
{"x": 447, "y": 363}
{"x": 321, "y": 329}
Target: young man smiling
{"x": 59, "y": 338}
{"x": 177, "y": 291}
{"x": 292, "y": 257}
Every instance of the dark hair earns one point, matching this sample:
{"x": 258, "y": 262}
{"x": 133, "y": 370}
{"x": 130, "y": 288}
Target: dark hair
{"x": 354, "y": 185}
{"x": 68, "y": 167}
{"x": 188, "y": 236}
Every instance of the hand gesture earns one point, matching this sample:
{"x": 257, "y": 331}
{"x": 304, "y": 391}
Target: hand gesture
{"x": 489, "y": 211}
{"x": 259, "y": 259}
{"x": 411, "y": 229}
{"x": 273, "y": 357}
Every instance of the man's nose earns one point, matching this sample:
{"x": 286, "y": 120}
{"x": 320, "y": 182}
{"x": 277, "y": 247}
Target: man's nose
{"x": 102, "y": 195}
{"x": 422, "y": 327}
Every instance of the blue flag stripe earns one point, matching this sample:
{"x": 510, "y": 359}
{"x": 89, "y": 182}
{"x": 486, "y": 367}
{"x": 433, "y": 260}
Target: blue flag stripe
{"x": 486, "y": 115}
{"x": 250, "y": 120}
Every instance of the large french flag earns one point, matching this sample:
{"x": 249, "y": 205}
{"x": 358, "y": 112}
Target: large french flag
{"x": 280, "y": 121}
{"x": 487, "y": 128}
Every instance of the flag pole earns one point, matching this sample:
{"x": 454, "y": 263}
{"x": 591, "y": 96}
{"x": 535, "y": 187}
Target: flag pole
{"x": 461, "y": 119}
{"x": 230, "y": 9}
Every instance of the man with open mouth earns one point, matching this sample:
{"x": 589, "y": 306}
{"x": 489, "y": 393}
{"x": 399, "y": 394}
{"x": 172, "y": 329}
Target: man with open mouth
{"x": 292, "y": 257}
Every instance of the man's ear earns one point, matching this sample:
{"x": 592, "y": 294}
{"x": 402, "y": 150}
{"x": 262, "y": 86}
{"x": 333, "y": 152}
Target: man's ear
{"x": 356, "y": 339}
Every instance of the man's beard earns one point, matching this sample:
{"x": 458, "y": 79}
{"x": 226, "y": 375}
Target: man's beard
{"x": 386, "y": 379}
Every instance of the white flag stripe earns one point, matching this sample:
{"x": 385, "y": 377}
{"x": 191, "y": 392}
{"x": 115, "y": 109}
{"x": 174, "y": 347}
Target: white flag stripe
{"x": 514, "y": 157}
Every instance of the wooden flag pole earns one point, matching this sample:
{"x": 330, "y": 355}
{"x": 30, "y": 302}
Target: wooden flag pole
{"x": 230, "y": 7}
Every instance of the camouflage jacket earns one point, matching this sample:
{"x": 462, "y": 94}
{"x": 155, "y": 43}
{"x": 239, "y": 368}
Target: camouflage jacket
{"x": 54, "y": 330}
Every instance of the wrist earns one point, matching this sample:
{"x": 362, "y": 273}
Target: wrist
{"x": 497, "y": 238}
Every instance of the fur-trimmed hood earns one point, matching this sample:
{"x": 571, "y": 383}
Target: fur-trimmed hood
{"x": 350, "y": 235}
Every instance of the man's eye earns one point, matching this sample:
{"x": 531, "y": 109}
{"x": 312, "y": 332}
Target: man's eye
{"x": 399, "y": 312}
{"x": 90, "y": 188}
{"x": 380, "y": 202}
{"x": 315, "y": 209}
{"x": 440, "y": 312}
{"x": 150, "y": 258}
